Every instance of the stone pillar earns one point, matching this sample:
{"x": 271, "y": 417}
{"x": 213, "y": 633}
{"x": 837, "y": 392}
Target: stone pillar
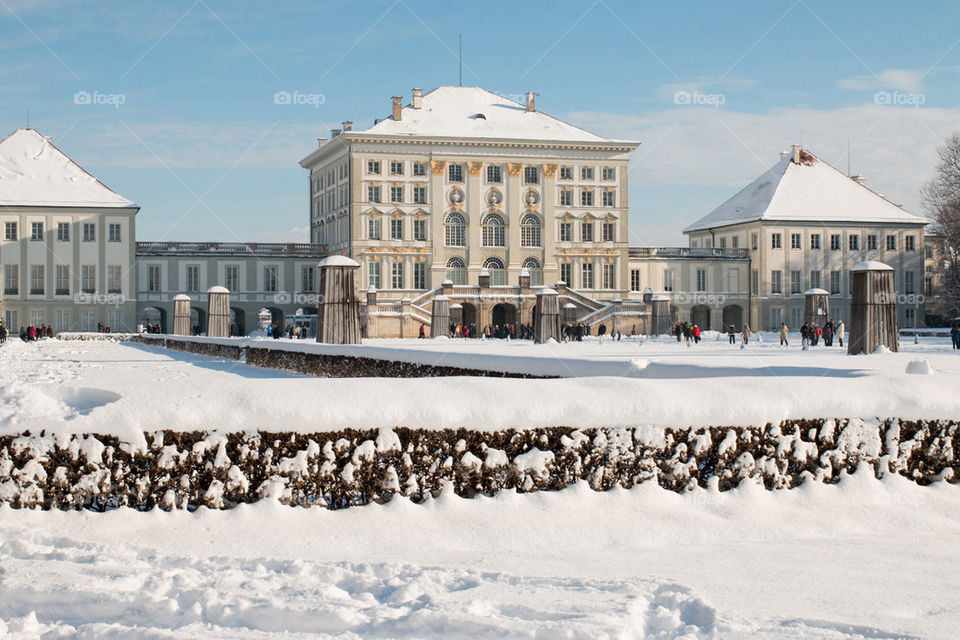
{"x": 569, "y": 313}
{"x": 546, "y": 321}
{"x": 484, "y": 279}
{"x": 524, "y": 278}
{"x": 456, "y": 314}
{"x": 405, "y": 304}
{"x": 218, "y": 312}
{"x": 816, "y": 306}
{"x": 647, "y": 295}
{"x": 660, "y": 315}
{"x": 447, "y": 286}
{"x": 440, "y": 317}
{"x": 181, "y": 315}
{"x": 615, "y": 318}
{"x": 373, "y": 328}
{"x": 873, "y": 310}
{"x": 338, "y": 314}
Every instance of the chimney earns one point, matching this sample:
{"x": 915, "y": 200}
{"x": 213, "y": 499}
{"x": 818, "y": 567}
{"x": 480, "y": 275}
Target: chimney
{"x": 417, "y": 98}
{"x": 860, "y": 178}
{"x": 320, "y": 141}
{"x": 347, "y": 126}
{"x": 531, "y": 106}
{"x": 334, "y": 133}
{"x": 796, "y": 153}
{"x": 784, "y": 154}
{"x": 397, "y": 107}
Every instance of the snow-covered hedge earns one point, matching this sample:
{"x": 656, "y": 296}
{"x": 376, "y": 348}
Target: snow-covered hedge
{"x": 353, "y": 467}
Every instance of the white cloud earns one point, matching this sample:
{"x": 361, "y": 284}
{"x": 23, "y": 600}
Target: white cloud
{"x": 907, "y": 80}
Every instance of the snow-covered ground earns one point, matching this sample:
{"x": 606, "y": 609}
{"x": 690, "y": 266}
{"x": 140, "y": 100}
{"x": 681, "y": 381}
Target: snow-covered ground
{"x": 126, "y": 388}
{"x": 861, "y": 559}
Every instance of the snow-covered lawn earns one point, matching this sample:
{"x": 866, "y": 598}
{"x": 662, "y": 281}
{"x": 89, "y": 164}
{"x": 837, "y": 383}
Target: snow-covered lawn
{"x": 126, "y": 388}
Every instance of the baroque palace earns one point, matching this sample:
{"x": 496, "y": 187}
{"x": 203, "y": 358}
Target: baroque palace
{"x": 467, "y": 194}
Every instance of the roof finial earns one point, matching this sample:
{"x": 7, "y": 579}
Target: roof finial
{"x": 460, "y": 56}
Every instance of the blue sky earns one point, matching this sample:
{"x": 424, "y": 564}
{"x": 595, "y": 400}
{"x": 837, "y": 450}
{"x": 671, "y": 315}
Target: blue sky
{"x": 187, "y": 126}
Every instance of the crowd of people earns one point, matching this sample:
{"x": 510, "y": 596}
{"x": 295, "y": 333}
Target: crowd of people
{"x": 31, "y": 333}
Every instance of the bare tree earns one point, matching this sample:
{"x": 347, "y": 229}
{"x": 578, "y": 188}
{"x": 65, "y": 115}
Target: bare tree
{"x": 941, "y": 198}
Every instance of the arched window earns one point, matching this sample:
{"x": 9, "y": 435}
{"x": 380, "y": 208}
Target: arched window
{"x": 455, "y": 231}
{"x": 494, "y": 231}
{"x": 498, "y": 275}
{"x": 530, "y": 231}
{"x": 457, "y": 271}
{"x": 536, "y": 271}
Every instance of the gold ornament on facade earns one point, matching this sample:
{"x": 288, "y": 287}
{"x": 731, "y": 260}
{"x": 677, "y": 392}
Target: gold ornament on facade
{"x": 474, "y": 168}
{"x": 549, "y": 170}
{"x": 437, "y": 166}
{"x": 514, "y": 169}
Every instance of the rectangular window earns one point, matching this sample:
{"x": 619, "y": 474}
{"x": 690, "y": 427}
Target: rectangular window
{"x": 373, "y": 166}
{"x": 396, "y": 167}
{"x": 494, "y": 174}
{"x": 61, "y": 278}
{"x": 586, "y": 173}
{"x": 36, "y": 279}
{"x": 908, "y": 243}
{"x": 396, "y": 228}
{"x": 9, "y": 230}
{"x": 871, "y": 242}
{"x": 834, "y": 283}
{"x": 736, "y": 242}
{"x": 566, "y": 232}
{"x": 231, "y": 274}
{"x": 373, "y": 193}
{"x": 193, "y": 277}
{"x": 36, "y": 231}
{"x": 586, "y": 197}
{"x": 373, "y": 229}
{"x": 835, "y": 242}
{"x": 854, "y": 243}
{"x": 891, "y": 243}
{"x": 609, "y": 232}
{"x": 668, "y": 279}
{"x": 306, "y": 278}
{"x": 776, "y": 241}
{"x": 701, "y": 279}
{"x": 88, "y": 320}
{"x": 10, "y": 316}
{"x": 454, "y": 174}
{"x": 419, "y": 169}
{"x": 114, "y": 278}
{"x": 566, "y": 173}
{"x": 755, "y": 282}
{"x": 396, "y": 275}
{"x": 634, "y": 280}
{"x": 776, "y": 282}
{"x": 928, "y": 286}
{"x": 910, "y": 318}
{"x": 566, "y": 197}
{"x": 396, "y": 193}
{"x": 723, "y": 243}
{"x": 908, "y": 286}
{"x": 609, "y": 276}
{"x": 609, "y": 173}
{"x": 89, "y": 232}
{"x": 113, "y": 232}
{"x": 373, "y": 274}
{"x": 754, "y": 241}
{"x": 586, "y": 232}
{"x": 794, "y": 282}
{"x": 63, "y": 232}
{"x": 814, "y": 240}
{"x": 88, "y": 278}
{"x": 566, "y": 272}
{"x": 531, "y": 175}
{"x": 586, "y": 275}
{"x": 419, "y": 275}
{"x": 63, "y": 320}
{"x": 11, "y": 281}
{"x": 795, "y": 242}
{"x": 420, "y": 195}
{"x": 270, "y": 279}
{"x": 420, "y": 230}
{"x": 608, "y": 198}
{"x": 153, "y": 278}
{"x": 815, "y": 280}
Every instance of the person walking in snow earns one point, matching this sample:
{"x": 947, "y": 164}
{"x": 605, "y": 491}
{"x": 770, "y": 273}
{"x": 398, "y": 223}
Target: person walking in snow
{"x": 746, "y": 333}
{"x": 841, "y": 329}
{"x": 732, "y": 334}
{"x": 696, "y": 334}
{"x": 602, "y": 331}
{"x": 784, "y": 331}
{"x": 828, "y": 334}
{"x": 955, "y": 333}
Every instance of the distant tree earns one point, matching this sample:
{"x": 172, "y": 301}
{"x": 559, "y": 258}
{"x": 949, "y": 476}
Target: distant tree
{"x": 941, "y": 198}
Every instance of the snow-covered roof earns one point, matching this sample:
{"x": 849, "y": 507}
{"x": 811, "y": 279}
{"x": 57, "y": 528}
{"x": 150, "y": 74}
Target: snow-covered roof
{"x": 338, "y": 261}
{"x": 806, "y": 191}
{"x": 473, "y": 112}
{"x": 34, "y": 172}
{"x": 871, "y": 265}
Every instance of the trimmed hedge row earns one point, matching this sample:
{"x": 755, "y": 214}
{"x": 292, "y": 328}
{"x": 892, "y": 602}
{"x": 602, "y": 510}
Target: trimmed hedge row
{"x": 355, "y": 467}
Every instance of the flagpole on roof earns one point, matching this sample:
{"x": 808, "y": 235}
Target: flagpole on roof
{"x": 460, "y": 35}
